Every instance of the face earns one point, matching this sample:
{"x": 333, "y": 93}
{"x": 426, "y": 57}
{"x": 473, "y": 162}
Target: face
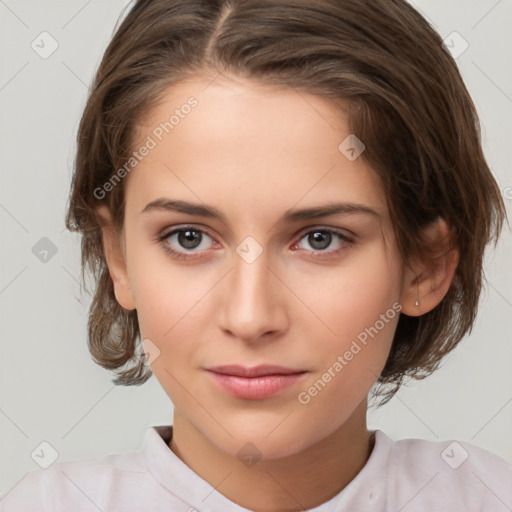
{"x": 243, "y": 279}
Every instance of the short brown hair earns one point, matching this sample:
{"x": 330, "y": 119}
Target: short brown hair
{"x": 410, "y": 108}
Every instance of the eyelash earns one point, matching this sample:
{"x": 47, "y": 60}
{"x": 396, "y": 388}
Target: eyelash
{"x": 187, "y": 256}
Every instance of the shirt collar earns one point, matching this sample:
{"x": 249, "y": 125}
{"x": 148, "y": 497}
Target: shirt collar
{"x": 367, "y": 491}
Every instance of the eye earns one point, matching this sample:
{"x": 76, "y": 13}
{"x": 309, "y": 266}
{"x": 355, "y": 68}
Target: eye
{"x": 320, "y": 239}
{"x": 185, "y": 242}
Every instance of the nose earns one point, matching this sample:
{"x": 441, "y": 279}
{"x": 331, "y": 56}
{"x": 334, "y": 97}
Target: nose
{"x": 253, "y": 298}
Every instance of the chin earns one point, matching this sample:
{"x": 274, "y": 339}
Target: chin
{"x": 265, "y": 440}
{"x": 266, "y": 449}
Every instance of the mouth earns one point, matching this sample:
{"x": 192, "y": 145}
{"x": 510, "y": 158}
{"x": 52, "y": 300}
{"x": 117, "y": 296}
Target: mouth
{"x": 255, "y": 383}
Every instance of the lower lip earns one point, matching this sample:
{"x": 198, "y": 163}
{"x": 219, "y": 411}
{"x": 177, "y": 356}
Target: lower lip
{"x": 256, "y": 388}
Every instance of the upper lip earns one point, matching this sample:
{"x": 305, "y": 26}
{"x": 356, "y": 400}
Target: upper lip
{"x": 253, "y": 371}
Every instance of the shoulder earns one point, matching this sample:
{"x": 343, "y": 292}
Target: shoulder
{"x": 74, "y": 485}
{"x": 454, "y": 474}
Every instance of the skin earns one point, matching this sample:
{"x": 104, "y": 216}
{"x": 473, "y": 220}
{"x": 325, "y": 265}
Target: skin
{"x": 254, "y": 152}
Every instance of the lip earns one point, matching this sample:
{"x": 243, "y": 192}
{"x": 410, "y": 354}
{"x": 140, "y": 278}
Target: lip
{"x": 257, "y": 382}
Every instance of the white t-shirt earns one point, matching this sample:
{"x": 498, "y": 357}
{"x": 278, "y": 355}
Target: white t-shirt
{"x": 410, "y": 475}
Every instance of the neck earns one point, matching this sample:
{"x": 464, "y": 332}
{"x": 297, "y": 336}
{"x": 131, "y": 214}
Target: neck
{"x": 300, "y": 481}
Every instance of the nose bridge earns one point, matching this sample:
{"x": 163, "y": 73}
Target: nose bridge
{"x": 251, "y": 305}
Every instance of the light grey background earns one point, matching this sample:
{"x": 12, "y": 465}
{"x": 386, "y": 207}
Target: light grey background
{"x": 50, "y": 388}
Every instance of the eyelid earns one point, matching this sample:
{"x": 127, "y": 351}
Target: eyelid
{"x": 339, "y": 231}
{"x": 183, "y": 227}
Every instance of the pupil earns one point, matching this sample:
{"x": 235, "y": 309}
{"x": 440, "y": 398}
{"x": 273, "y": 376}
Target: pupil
{"x": 320, "y": 239}
{"x": 189, "y": 238}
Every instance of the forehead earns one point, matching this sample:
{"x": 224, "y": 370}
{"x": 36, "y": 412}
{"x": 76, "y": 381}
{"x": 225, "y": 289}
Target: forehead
{"x": 257, "y": 148}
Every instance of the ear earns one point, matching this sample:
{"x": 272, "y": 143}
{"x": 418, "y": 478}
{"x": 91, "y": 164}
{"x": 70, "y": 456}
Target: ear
{"x": 116, "y": 260}
{"x": 426, "y": 282}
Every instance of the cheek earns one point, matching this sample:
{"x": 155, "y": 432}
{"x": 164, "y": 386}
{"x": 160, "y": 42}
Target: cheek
{"x": 167, "y": 300}
{"x": 350, "y": 299}
{"x": 170, "y": 310}
{"x": 361, "y": 309}
{"x": 165, "y": 292}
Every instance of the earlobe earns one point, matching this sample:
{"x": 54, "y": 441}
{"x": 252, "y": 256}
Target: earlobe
{"x": 116, "y": 261}
{"x": 427, "y": 282}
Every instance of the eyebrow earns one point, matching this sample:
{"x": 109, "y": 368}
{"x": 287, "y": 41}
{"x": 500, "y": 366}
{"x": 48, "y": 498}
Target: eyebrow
{"x": 289, "y": 216}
